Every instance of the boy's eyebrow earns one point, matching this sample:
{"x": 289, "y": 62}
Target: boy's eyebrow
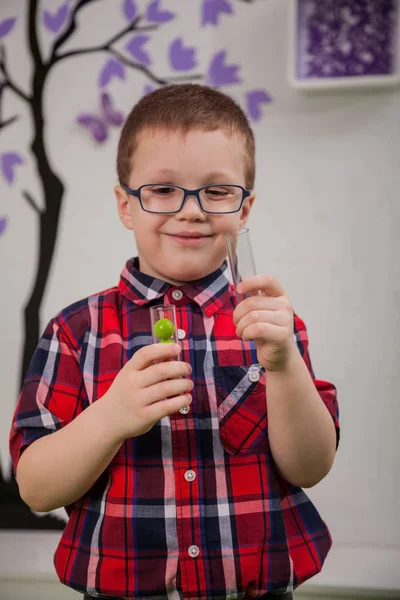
{"x": 167, "y": 175}
{"x": 217, "y": 176}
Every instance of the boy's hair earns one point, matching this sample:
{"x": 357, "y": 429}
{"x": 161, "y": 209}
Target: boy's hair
{"x": 182, "y": 108}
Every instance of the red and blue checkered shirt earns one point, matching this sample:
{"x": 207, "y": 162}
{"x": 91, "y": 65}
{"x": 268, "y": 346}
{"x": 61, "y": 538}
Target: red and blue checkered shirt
{"x": 195, "y": 508}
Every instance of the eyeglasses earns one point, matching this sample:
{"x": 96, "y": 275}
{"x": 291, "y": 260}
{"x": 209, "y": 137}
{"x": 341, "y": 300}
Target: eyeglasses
{"x": 169, "y": 199}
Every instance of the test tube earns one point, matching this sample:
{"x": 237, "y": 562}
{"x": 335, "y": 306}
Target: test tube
{"x": 163, "y": 324}
{"x": 240, "y": 258}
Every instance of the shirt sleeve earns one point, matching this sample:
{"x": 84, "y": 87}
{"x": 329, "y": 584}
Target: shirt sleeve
{"x": 326, "y": 390}
{"x": 53, "y": 393}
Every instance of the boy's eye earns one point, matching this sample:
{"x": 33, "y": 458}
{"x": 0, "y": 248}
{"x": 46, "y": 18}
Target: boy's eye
{"x": 163, "y": 190}
{"x": 217, "y": 192}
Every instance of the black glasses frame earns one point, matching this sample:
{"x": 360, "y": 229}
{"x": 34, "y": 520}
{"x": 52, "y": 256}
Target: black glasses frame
{"x": 186, "y": 194}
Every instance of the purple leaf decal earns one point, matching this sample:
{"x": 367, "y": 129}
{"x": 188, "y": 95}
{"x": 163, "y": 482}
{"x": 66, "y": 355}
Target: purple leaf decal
{"x": 95, "y": 125}
{"x": 112, "y": 68}
{"x": 130, "y": 10}
{"x": 148, "y": 89}
{"x": 6, "y": 26}
{"x": 110, "y": 113}
{"x": 3, "y": 224}
{"x": 181, "y": 58}
{"x": 254, "y": 101}
{"x": 156, "y": 15}
{"x": 8, "y": 163}
{"x": 221, "y": 74}
{"x": 212, "y": 10}
{"x": 135, "y": 47}
{"x": 54, "y": 21}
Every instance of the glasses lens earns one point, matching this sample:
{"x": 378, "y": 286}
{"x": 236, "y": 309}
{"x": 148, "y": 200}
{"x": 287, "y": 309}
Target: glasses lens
{"x": 221, "y": 198}
{"x": 161, "y": 198}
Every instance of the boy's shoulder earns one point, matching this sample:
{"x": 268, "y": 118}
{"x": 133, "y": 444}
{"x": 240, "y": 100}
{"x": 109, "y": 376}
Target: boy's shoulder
{"x": 78, "y": 319}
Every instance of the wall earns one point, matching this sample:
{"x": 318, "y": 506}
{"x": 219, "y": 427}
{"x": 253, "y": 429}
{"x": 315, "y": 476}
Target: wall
{"x": 326, "y": 222}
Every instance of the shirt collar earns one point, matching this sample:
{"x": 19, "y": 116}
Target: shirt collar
{"x": 210, "y": 293}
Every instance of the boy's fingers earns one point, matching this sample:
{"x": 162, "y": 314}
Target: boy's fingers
{"x": 267, "y": 284}
{"x": 274, "y": 317}
{"x": 161, "y": 409}
{"x": 258, "y": 303}
{"x": 171, "y": 369}
{"x": 146, "y": 356}
{"x": 166, "y": 389}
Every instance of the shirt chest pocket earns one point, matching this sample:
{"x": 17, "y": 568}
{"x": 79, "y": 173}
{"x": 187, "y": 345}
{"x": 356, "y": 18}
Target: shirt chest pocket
{"x": 242, "y": 409}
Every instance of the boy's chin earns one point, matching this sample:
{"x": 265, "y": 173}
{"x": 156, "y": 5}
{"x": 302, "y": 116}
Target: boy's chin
{"x": 186, "y": 273}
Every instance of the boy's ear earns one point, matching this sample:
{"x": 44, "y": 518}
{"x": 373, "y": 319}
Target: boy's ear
{"x": 246, "y": 209}
{"x": 123, "y": 207}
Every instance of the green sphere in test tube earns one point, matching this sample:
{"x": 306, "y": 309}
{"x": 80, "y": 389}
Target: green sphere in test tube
{"x": 164, "y": 329}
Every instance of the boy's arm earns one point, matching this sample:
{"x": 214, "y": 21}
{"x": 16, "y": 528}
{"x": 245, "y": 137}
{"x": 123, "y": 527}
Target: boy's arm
{"x": 59, "y": 444}
{"x": 301, "y": 431}
{"x": 58, "y": 469}
{"x": 302, "y": 412}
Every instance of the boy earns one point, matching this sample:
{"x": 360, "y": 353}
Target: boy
{"x": 174, "y": 485}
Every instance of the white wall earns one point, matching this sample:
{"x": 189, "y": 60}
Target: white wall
{"x": 326, "y": 223}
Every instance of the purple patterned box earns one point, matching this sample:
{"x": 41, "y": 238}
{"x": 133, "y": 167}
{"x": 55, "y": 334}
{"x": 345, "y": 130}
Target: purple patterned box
{"x": 345, "y": 42}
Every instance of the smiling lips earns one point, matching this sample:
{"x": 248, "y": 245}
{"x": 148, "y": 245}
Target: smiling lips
{"x": 189, "y": 238}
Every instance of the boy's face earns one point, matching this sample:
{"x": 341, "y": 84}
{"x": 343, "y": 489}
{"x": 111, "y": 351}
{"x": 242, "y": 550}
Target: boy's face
{"x": 196, "y": 159}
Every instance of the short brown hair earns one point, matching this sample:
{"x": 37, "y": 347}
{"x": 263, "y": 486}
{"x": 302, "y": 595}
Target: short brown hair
{"x": 182, "y": 108}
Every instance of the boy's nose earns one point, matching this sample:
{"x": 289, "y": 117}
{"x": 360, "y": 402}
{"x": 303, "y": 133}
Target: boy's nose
{"x": 191, "y": 208}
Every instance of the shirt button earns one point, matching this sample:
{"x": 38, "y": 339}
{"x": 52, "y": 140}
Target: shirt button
{"x": 181, "y": 334}
{"x": 254, "y": 375}
{"x": 190, "y": 476}
{"x": 184, "y": 410}
{"x": 177, "y": 295}
{"x": 194, "y": 551}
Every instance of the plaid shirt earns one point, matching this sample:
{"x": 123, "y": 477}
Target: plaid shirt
{"x": 194, "y": 508}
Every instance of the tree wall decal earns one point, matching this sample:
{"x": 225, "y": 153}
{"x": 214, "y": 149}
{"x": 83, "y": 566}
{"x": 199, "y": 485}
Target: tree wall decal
{"x": 141, "y": 24}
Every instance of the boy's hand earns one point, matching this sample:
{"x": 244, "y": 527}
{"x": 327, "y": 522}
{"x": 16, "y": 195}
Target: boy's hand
{"x": 144, "y": 392}
{"x": 267, "y": 319}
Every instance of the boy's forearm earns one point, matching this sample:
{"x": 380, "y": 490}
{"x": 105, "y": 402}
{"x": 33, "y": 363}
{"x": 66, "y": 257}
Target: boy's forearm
{"x": 301, "y": 431}
{"x": 61, "y": 467}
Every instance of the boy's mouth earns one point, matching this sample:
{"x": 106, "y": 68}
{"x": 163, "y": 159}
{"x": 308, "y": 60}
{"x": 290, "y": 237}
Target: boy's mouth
{"x": 189, "y": 238}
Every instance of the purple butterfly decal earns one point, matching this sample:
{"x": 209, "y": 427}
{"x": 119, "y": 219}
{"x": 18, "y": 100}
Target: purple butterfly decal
{"x": 98, "y": 125}
{"x": 9, "y": 161}
{"x": 54, "y": 21}
{"x": 6, "y": 26}
{"x": 130, "y": 10}
{"x": 212, "y": 10}
{"x": 3, "y": 225}
{"x": 254, "y": 100}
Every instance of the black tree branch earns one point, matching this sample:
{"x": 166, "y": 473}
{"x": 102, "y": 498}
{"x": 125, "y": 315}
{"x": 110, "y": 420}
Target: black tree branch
{"x": 32, "y": 33}
{"x": 70, "y": 29}
{"x": 8, "y": 121}
{"x": 104, "y": 47}
{"x": 32, "y": 203}
{"x": 134, "y": 26}
{"x": 7, "y": 81}
{"x": 107, "y": 47}
{"x": 150, "y": 75}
